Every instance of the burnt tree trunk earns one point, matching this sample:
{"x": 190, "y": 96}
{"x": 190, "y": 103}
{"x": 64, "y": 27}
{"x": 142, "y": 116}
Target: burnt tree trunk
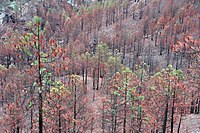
{"x": 172, "y": 115}
{"x": 75, "y": 113}
{"x": 59, "y": 120}
{"x": 179, "y": 124}
{"x": 125, "y": 110}
{"x": 40, "y": 105}
{"x": 165, "y": 115}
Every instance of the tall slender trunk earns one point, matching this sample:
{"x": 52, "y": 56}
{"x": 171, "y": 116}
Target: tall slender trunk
{"x": 165, "y": 115}
{"x": 40, "y": 106}
{"x": 139, "y": 117}
{"x": 17, "y": 129}
{"x": 132, "y": 113}
{"x": 59, "y": 120}
{"x": 106, "y": 17}
{"x": 159, "y": 6}
{"x": 114, "y": 115}
{"x": 8, "y": 61}
{"x": 98, "y": 72}
{"x": 2, "y": 94}
{"x": 172, "y": 115}
{"x": 125, "y": 110}
{"x": 86, "y": 75}
{"x": 31, "y": 120}
{"x": 115, "y": 122}
{"x": 192, "y": 104}
{"x": 82, "y": 23}
{"x": 124, "y": 51}
{"x": 198, "y": 106}
{"x": 93, "y": 78}
{"x": 83, "y": 74}
{"x": 113, "y": 48}
{"x": 94, "y": 86}
{"x": 156, "y": 38}
{"x": 75, "y": 114}
{"x": 179, "y": 124}
{"x": 103, "y": 118}
{"x": 177, "y": 58}
{"x": 40, "y": 84}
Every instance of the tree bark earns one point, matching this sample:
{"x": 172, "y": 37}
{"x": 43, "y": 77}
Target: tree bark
{"x": 98, "y": 71}
{"x": 40, "y": 85}
{"x": 165, "y": 115}
{"x": 59, "y": 120}
{"x": 75, "y": 101}
{"x": 172, "y": 115}
{"x": 103, "y": 118}
{"x": 125, "y": 110}
{"x": 179, "y": 124}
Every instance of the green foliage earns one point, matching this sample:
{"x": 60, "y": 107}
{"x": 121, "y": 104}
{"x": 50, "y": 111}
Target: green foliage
{"x": 157, "y": 74}
{"x": 115, "y": 62}
{"x": 141, "y": 98}
{"x": 40, "y": 89}
{"x": 140, "y": 72}
{"x": 152, "y": 87}
{"x": 104, "y": 51}
{"x": 64, "y": 15}
{"x": 126, "y": 70}
{"x": 97, "y": 5}
{"x": 30, "y": 105}
{"x": 90, "y": 9}
{"x": 28, "y": 36}
{"x": 116, "y": 93}
{"x": 2, "y": 68}
{"x": 177, "y": 73}
{"x": 133, "y": 108}
{"x": 13, "y": 5}
{"x": 37, "y": 19}
{"x": 86, "y": 56}
{"x": 29, "y": 24}
{"x": 34, "y": 84}
{"x": 75, "y": 77}
{"x": 147, "y": 119}
{"x": 168, "y": 89}
{"x": 34, "y": 63}
{"x": 167, "y": 77}
{"x": 171, "y": 72}
{"x": 113, "y": 111}
{"x": 109, "y": 3}
{"x": 58, "y": 88}
{"x": 43, "y": 110}
{"x": 12, "y": 66}
{"x": 140, "y": 110}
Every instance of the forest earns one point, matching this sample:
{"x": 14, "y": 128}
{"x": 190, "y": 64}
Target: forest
{"x": 99, "y": 66}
